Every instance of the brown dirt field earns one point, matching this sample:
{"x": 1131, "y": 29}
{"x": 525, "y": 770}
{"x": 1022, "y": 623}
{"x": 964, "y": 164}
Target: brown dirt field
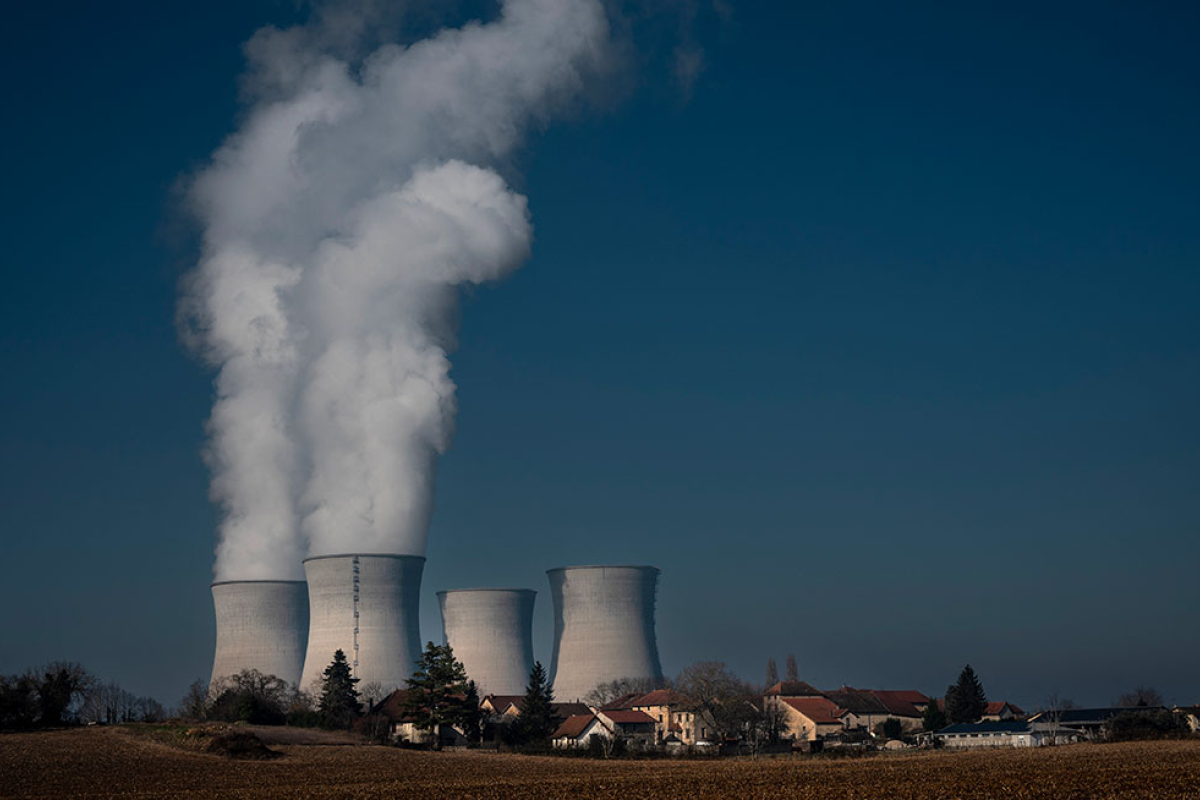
{"x": 111, "y": 763}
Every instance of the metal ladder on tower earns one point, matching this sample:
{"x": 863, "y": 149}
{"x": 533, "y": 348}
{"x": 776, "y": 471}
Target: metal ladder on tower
{"x": 354, "y": 666}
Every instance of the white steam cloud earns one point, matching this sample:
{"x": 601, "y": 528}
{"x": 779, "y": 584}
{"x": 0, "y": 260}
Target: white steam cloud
{"x": 339, "y": 222}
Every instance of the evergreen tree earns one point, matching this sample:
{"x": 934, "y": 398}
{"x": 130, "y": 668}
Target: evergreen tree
{"x": 772, "y": 672}
{"x": 965, "y": 700}
{"x": 536, "y": 720}
{"x": 472, "y": 715}
{"x": 793, "y": 674}
{"x": 934, "y": 718}
{"x": 437, "y": 691}
{"x": 339, "y": 699}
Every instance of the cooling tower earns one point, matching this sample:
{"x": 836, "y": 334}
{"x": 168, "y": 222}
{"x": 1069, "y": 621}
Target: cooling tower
{"x": 603, "y": 627}
{"x": 367, "y": 607}
{"x": 491, "y": 631}
{"x": 260, "y": 625}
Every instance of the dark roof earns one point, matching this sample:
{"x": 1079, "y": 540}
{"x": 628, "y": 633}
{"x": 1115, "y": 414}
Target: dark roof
{"x": 901, "y": 702}
{"x": 1013, "y": 726}
{"x": 502, "y": 701}
{"x": 794, "y": 689}
{"x": 574, "y": 725}
{"x": 393, "y": 706}
{"x": 622, "y": 717}
{"x": 1088, "y": 716}
{"x": 624, "y": 701}
{"x": 857, "y": 701}
{"x": 565, "y": 710}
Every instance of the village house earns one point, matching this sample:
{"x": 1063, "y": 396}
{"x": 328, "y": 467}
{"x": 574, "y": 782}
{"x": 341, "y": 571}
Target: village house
{"x": 808, "y": 718}
{"x": 672, "y": 716}
{"x": 578, "y": 730}
{"x": 863, "y": 710}
{"x": 905, "y": 705}
{"x": 502, "y": 707}
{"x": 635, "y": 726}
{"x": 1001, "y": 711}
{"x": 403, "y": 728}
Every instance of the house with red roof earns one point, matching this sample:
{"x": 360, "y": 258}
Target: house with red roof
{"x": 673, "y": 716}
{"x": 578, "y": 729}
{"x": 808, "y": 718}
{"x": 637, "y": 726}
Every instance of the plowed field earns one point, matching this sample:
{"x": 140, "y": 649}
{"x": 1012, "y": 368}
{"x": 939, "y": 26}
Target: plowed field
{"x": 107, "y": 763}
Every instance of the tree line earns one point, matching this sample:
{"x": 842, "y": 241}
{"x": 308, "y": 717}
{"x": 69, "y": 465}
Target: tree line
{"x": 64, "y": 693}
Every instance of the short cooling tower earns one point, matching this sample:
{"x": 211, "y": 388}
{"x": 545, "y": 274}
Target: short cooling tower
{"x": 260, "y": 625}
{"x": 603, "y": 627}
{"x": 491, "y": 631}
{"x": 367, "y": 607}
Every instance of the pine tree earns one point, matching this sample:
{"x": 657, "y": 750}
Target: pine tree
{"x": 965, "y": 700}
{"x": 472, "y": 715}
{"x": 339, "y": 699}
{"x": 536, "y": 723}
{"x": 772, "y": 672}
{"x": 934, "y": 718}
{"x": 437, "y": 691}
{"x": 793, "y": 674}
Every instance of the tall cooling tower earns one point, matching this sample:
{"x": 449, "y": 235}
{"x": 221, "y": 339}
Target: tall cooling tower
{"x": 367, "y": 607}
{"x": 260, "y": 625}
{"x": 603, "y": 627}
{"x": 491, "y": 631}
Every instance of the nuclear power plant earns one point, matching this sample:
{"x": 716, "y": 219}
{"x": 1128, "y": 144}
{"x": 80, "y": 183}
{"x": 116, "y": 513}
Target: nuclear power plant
{"x": 603, "y": 627}
{"x": 261, "y": 625}
{"x": 491, "y": 632}
{"x": 367, "y": 605}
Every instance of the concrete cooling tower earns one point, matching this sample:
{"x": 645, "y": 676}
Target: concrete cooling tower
{"x": 367, "y": 607}
{"x": 260, "y": 625}
{"x": 491, "y": 631}
{"x": 603, "y": 627}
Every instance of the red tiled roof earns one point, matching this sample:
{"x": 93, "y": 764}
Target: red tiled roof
{"x": 818, "y": 709}
{"x": 575, "y": 725}
{"x": 996, "y": 706}
{"x": 623, "y": 717}
{"x": 661, "y": 697}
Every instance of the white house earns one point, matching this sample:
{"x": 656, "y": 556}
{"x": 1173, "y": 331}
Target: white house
{"x": 1006, "y": 734}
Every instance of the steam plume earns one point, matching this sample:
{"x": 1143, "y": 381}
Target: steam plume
{"x": 338, "y": 223}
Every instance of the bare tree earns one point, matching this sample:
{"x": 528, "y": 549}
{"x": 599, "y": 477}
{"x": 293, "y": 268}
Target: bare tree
{"x": 371, "y": 694}
{"x": 1140, "y": 697}
{"x": 607, "y": 692}
{"x": 721, "y": 699}
{"x": 793, "y": 673}
{"x": 195, "y": 703}
{"x": 1055, "y": 705}
{"x": 772, "y": 672}
{"x": 147, "y": 709}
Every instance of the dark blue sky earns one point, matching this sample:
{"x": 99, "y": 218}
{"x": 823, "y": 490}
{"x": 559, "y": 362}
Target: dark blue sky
{"x": 884, "y": 347}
